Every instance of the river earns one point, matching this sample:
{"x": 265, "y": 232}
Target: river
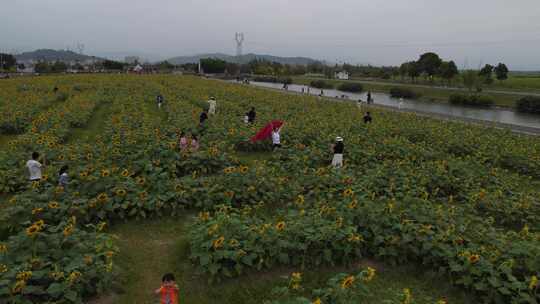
{"x": 498, "y": 115}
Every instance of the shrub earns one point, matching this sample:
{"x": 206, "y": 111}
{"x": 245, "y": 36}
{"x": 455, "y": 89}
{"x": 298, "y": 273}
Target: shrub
{"x": 403, "y": 93}
{"x": 351, "y": 87}
{"x": 529, "y": 104}
{"x": 471, "y": 100}
{"x": 321, "y": 84}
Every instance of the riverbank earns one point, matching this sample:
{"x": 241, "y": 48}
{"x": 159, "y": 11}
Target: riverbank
{"x": 506, "y": 99}
{"x": 490, "y": 124}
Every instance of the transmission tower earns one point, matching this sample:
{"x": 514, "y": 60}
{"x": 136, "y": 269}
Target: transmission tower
{"x": 80, "y": 47}
{"x": 239, "y": 37}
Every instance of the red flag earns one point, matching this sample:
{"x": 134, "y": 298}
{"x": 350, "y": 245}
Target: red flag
{"x": 266, "y": 132}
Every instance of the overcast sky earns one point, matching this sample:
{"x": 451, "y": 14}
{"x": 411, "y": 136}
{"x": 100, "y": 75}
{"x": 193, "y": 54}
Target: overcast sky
{"x": 379, "y": 32}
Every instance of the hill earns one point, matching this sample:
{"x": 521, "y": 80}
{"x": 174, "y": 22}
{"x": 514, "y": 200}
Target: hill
{"x": 242, "y": 59}
{"x": 53, "y": 55}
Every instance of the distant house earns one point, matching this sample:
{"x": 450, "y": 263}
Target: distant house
{"x": 138, "y": 68}
{"x": 342, "y": 75}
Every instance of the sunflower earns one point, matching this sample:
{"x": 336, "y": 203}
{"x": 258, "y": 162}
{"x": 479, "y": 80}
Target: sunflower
{"x": 68, "y": 230}
{"x": 61, "y": 157}
{"x": 53, "y": 205}
{"x": 109, "y": 254}
{"x": 355, "y": 238}
{"x": 229, "y": 170}
{"x": 125, "y": 173}
{"x": 3, "y": 248}
{"x": 178, "y": 188}
{"x": 240, "y": 253}
{"x": 217, "y": 243}
{"x": 24, "y": 276}
{"x": 89, "y": 156}
{"x": 296, "y": 276}
{"x": 37, "y": 210}
{"x": 204, "y": 216}
{"x": 234, "y": 243}
{"x": 73, "y": 277}
{"x": 442, "y": 301}
{"x": 353, "y": 204}
{"x": 3, "y": 268}
{"x": 317, "y": 301}
{"x": 105, "y": 173}
{"x": 370, "y": 274}
{"x": 533, "y": 283}
{"x": 88, "y": 260}
{"x": 103, "y": 197}
{"x": 40, "y": 224}
{"x": 32, "y": 230}
{"x": 120, "y": 192}
{"x": 83, "y": 174}
{"x": 348, "y": 192}
{"x": 143, "y": 195}
{"x": 101, "y": 226}
{"x": 140, "y": 180}
{"x": 243, "y": 169}
{"x": 407, "y": 297}
{"x": 213, "y": 229}
{"x": 18, "y": 287}
{"x": 229, "y": 194}
{"x": 300, "y": 199}
{"x": 56, "y": 275}
{"x": 59, "y": 190}
{"x": 280, "y": 226}
{"x": 347, "y": 282}
{"x": 474, "y": 258}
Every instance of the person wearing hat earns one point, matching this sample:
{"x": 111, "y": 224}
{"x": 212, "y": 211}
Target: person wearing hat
{"x": 338, "y": 149}
{"x": 212, "y": 108}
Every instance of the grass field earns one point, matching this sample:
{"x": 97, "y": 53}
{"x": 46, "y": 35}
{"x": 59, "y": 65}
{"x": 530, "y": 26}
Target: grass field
{"x": 429, "y": 94}
{"x": 443, "y": 209}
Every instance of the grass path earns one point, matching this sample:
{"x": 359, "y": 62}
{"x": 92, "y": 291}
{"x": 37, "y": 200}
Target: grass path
{"x": 150, "y": 248}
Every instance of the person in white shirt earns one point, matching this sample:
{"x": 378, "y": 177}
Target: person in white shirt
{"x": 212, "y": 108}
{"x": 276, "y": 141}
{"x": 34, "y": 167}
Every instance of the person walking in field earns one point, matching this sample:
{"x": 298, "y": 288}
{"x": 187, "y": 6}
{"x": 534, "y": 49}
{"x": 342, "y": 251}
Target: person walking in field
{"x": 276, "y": 138}
{"x": 251, "y": 115}
{"x": 183, "y": 142}
{"x": 63, "y": 177}
{"x": 367, "y": 118}
{"x": 369, "y": 99}
{"x": 338, "y": 148}
{"x": 194, "y": 144}
{"x": 203, "y": 117}
{"x": 34, "y": 167}
{"x": 168, "y": 291}
{"x": 212, "y": 106}
{"x": 159, "y": 100}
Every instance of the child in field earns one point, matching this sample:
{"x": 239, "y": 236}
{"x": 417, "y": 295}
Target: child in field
{"x": 338, "y": 148}
{"x": 194, "y": 145}
{"x": 63, "y": 178}
{"x": 212, "y": 106}
{"x": 276, "y": 138}
{"x": 168, "y": 291}
{"x": 203, "y": 117}
{"x": 159, "y": 100}
{"x": 367, "y": 118}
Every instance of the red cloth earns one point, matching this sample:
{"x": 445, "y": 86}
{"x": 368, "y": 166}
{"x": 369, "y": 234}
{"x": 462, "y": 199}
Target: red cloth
{"x": 266, "y": 132}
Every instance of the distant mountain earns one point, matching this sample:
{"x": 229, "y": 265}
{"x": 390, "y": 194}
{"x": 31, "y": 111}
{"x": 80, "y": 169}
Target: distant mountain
{"x": 53, "y": 55}
{"x": 242, "y": 59}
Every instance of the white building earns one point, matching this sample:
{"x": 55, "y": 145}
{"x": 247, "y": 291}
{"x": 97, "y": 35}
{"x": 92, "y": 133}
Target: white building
{"x": 342, "y": 75}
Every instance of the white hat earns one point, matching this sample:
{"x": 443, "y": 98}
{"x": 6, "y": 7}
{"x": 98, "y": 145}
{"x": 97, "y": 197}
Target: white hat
{"x": 339, "y": 139}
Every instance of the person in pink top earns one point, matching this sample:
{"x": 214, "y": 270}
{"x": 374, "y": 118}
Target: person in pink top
{"x": 183, "y": 142}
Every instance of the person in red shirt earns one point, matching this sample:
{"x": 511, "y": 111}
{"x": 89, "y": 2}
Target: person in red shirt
{"x": 168, "y": 291}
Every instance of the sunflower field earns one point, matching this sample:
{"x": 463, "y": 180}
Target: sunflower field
{"x": 459, "y": 199}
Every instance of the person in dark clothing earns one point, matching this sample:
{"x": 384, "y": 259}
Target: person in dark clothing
{"x": 159, "y": 100}
{"x": 338, "y": 148}
{"x": 55, "y": 89}
{"x": 367, "y": 118}
{"x": 251, "y": 115}
{"x": 369, "y": 100}
{"x": 203, "y": 117}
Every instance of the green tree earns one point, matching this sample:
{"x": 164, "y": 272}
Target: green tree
{"x": 58, "y": 67}
{"x": 413, "y": 70}
{"x": 501, "y": 71}
{"x": 486, "y": 73}
{"x": 7, "y": 61}
{"x": 429, "y": 63}
{"x": 448, "y": 70}
{"x": 42, "y": 67}
{"x": 165, "y": 66}
{"x": 213, "y": 65}
{"x": 113, "y": 65}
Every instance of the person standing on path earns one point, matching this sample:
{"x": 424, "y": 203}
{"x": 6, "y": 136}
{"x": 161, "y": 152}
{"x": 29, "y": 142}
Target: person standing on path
{"x": 338, "y": 148}
{"x": 369, "y": 100}
{"x": 212, "y": 106}
{"x": 34, "y": 167}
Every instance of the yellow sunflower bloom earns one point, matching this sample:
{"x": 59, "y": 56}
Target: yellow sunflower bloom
{"x": 347, "y": 282}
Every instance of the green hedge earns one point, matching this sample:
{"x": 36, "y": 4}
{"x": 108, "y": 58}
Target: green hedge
{"x": 403, "y": 93}
{"x": 529, "y": 104}
{"x": 471, "y": 100}
{"x": 321, "y": 84}
{"x": 351, "y": 87}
